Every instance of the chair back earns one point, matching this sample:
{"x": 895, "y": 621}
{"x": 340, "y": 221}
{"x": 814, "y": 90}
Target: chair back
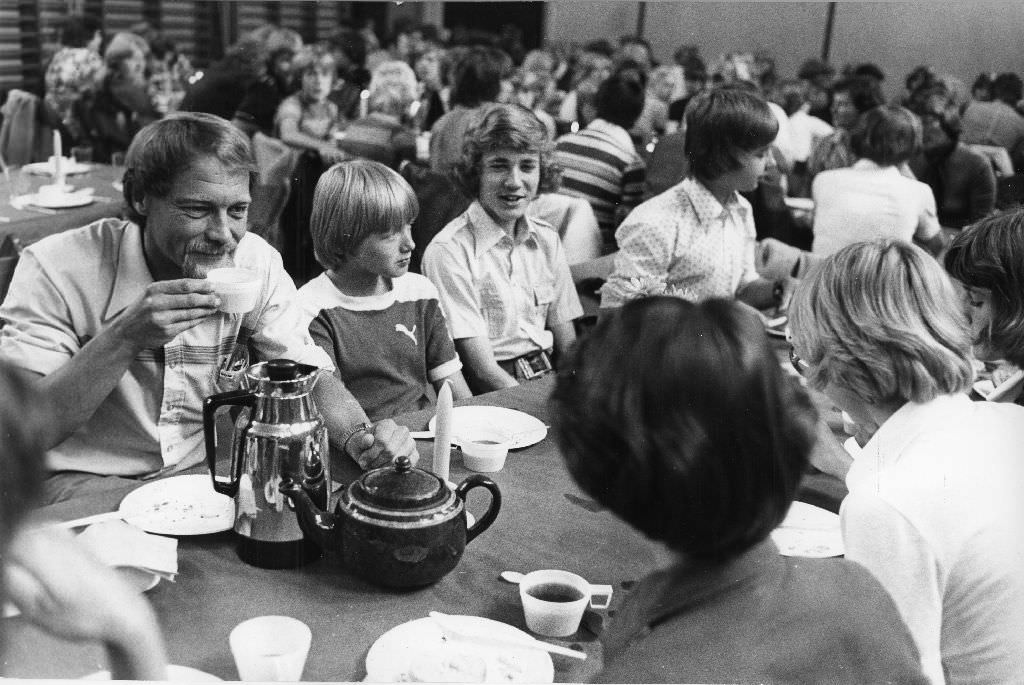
{"x": 573, "y": 218}
{"x": 275, "y": 164}
{"x": 23, "y": 137}
{"x": 440, "y": 202}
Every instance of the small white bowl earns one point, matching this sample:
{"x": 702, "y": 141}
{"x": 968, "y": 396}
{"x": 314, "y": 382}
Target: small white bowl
{"x": 485, "y": 450}
{"x": 238, "y": 289}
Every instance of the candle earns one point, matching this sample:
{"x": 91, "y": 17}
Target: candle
{"x": 58, "y": 158}
{"x": 443, "y": 432}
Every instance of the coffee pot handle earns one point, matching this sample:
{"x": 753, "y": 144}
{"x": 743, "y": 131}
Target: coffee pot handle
{"x": 485, "y": 521}
{"x": 242, "y": 398}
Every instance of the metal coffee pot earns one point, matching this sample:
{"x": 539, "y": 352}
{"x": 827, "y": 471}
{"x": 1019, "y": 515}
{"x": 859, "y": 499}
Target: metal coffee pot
{"x": 279, "y": 439}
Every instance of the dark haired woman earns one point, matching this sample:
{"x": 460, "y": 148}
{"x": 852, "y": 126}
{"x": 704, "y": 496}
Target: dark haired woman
{"x": 677, "y": 417}
{"x": 961, "y": 179}
{"x": 987, "y": 259}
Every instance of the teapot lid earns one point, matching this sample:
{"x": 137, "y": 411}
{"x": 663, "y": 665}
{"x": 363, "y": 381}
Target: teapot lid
{"x": 401, "y": 486}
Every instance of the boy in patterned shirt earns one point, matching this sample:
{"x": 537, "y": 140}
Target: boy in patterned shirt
{"x": 381, "y": 325}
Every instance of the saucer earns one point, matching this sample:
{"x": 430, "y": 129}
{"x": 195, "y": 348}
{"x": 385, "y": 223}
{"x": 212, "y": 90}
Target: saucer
{"x": 65, "y": 201}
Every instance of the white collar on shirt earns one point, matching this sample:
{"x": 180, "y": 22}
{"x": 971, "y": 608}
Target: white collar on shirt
{"x": 618, "y": 135}
{"x": 487, "y": 233}
{"x": 132, "y": 275}
{"x": 910, "y": 422}
{"x": 706, "y": 205}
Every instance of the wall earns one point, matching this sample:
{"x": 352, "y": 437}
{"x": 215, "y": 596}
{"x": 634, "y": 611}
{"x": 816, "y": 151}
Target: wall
{"x": 961, "y": 38}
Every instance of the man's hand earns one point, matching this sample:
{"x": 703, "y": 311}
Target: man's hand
{"x": 167, "y": 309}
{"x": 380, "y": 445}
{"x": 60, "y": 587}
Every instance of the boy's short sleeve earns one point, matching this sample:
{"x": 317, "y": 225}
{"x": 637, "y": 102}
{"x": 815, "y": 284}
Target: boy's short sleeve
{"x": 442, "y": 359}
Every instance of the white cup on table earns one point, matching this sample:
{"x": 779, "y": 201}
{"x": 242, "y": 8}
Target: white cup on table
{"x": 554, "y": 601}
{"x": 484, "y": 450}
{"x": 270, "y": 648}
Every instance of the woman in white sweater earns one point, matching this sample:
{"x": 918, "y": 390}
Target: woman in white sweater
{"x": 934, "y": 509}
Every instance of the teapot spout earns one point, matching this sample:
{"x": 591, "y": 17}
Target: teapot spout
{"x": 315, "y": 522}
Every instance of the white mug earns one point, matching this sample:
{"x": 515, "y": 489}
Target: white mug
{"x": 270, "y": 648}
{"x": 554, "y": 601}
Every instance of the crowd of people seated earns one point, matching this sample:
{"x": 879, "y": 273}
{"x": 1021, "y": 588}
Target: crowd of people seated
{"x": 477, "y": 214}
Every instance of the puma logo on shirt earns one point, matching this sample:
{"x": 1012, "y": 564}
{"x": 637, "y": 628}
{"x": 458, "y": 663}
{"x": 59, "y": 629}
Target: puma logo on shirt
{"x": 400, "y": 327}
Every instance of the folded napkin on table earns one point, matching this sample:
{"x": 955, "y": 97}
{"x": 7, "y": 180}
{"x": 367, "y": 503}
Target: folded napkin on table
{"x": 120, "y": 544}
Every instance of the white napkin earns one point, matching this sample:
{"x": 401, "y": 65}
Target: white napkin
{"x": 120, "y": 544}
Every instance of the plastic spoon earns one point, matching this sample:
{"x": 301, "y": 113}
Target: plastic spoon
{"x": 513, "y": 577}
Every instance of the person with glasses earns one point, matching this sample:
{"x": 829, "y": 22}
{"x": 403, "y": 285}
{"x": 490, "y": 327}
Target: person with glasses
{"x": 934, "y": 507}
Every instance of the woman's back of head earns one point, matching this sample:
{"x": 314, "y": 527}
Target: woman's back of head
{"x": 881, "y": 319}
{"x": 678, "y": 417}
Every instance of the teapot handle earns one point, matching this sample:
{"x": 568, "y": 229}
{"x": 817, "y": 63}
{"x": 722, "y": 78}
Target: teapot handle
{"x": 210, "y": 405}
{"x": 485, "y": 521}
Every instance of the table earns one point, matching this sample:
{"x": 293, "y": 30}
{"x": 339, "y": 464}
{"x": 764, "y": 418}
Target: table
{"x": 29, "y": 225}
{"x": 545, "y": 522}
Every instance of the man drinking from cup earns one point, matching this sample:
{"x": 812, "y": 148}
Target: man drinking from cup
{"x": 124, "y": 332}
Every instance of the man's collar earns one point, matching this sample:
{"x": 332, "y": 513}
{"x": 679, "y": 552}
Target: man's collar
{"x": 487, "y": 233}
{"x": 705, "y": 204}
{"x": 132, "y": 276}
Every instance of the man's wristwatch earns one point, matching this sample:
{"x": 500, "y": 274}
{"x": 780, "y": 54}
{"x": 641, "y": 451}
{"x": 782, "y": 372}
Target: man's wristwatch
{"x": 363, "y": 427}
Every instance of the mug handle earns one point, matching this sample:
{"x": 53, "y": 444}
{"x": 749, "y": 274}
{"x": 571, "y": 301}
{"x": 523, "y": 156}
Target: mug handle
{"x": 485, "y": 521}
{"x": 600, "y": 591}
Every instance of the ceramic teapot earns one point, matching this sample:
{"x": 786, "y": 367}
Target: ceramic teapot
{"x": 397, "y": 526}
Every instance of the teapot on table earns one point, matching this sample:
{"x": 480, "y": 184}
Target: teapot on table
{"x": 279, "y": 438}
{"x": 397, "y": 526}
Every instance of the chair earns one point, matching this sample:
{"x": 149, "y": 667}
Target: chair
{"x": 24, "y": 138}
{"x": 10, "y": 250}
{"x": 275, "y": 162}
{"x": 440, "y": 202}
{"x": 573, "y": 218}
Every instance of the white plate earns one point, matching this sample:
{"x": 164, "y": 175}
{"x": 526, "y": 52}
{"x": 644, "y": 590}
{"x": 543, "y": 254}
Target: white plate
{"x": 420, "y": 646}
{"x": 66, "y": 201}
{"x": 809, "y": 531}
{"x": 69, "y": 166}
{"x": 804, "y": 204}
{"x": 525, "y": 430}
{"x": 178, "y": 673}
{"x": 989, "y": 391}
{"x": 180, "y": 505}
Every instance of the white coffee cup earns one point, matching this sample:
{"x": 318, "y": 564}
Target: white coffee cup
{"x": 554, "y": 601}
{"x": 238, "y": 289}
{"x": 484, "y": 450}
{"x": 270, "y": 648}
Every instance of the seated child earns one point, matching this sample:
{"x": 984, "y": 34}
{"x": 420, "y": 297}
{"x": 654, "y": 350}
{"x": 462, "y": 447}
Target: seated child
{"x": 502, "y": 275}
{"x": 678, "y": 418}
{"x": 308, "y": 118}
{"x": 697, "y": 238}
{"x": 381, "y": 325}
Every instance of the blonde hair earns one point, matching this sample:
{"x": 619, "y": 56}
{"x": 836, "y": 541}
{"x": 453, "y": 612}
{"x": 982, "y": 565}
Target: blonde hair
{"x": 354, "y": 199}
{"x": 393, "y": 88}
{"x": 882, "y": 320}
